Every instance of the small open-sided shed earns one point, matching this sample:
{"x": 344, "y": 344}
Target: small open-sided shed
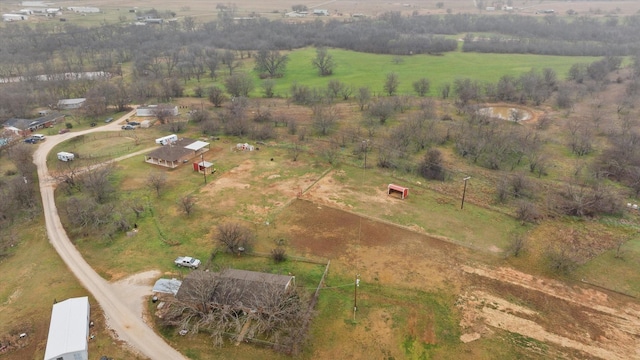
{"x": 203, "y": 167}
{"x": 404, "y": 192}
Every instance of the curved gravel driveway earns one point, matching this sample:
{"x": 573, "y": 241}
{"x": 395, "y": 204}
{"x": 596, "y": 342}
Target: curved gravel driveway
{"x": 128, "y": 325}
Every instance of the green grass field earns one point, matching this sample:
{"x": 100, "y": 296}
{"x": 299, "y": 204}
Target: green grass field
{"x": 370, "y": 70}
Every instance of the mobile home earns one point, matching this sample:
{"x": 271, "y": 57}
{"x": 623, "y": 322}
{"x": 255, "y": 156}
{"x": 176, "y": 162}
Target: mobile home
{"x": 169, "y": 139}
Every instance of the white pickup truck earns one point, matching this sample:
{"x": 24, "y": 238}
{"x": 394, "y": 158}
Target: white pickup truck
{"x": 187, "y": 261}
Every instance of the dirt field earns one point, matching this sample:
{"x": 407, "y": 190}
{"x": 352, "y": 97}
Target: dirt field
{"x": 567, "y": 320}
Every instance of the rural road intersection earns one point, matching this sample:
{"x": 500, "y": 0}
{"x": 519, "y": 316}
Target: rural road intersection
{"x": 127, "y": 323}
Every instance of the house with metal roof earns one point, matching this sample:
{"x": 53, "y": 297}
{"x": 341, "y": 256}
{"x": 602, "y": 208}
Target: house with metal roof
{"x": 24, "y": 127}
{"x": 69, "y": 330}
{"x": 176, "y": 153}
{"x": 241, "y": 288}
{"x": 69, "y": 104}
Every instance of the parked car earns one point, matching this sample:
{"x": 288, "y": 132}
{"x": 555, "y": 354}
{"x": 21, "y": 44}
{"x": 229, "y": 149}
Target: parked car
{"x": 134, "y": 123}
{"x": 108, "y": 120}
{"x": 187, "y": 261}
{"x": 38, "y": 137}
{"x": 93, "y": 124}
{"x": 128, "y": 127}
{"x": 31, "y": 140}
{"x": 63, "y": 131}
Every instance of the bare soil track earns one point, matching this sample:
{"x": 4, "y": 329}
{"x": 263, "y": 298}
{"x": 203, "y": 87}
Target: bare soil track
{"x": 126, "y": 323}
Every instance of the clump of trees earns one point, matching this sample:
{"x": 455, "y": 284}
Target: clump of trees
{"x": 223, "y": 307}
{"x": 234, "y": 237}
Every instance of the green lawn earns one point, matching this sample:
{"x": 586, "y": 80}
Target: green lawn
{"x": 370, "y": 70}
{"x": 361, "y": 69}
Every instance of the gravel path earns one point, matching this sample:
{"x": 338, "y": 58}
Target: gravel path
{"x": 122, "y": 304}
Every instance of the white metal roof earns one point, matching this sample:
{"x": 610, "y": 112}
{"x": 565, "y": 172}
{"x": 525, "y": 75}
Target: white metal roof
{"x": 195, "y": 146}
{"x": 71, "y": 101}
{"x": 205, "y": 164}
{"x": 168, "y": 286}
{"x": 69, "y": 329}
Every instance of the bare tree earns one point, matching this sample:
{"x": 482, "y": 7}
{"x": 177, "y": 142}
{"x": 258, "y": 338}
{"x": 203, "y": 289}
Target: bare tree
{"x": 164, "y": 113}
{"x": 324, "y": 117}
{"x": 445, "y": 89}
{"x": 295, "y": 150}
{"x": 268, "y": 85}
{"x": 527, "y": 212}
{"x": 381, "y": 109}
{"x": 96, "y": 181}
{"x": 562, "y": 258}
{"x": 363, "y": 97}
{"x": 234, "y": 237}
{"x": 228, "y": 58}
{"x": 187, "y": 204}
{"x": 421, "y": 86}
{"x": 216, "y": 96}
{"x": 157, "y": 181}
{"x": 239, "y": 84}
{"x": 517, "y": 246}
{"x": 235, "y": 118}
{"x": 331, "y": 152}
{"x": 323, "y": 62}
{"x": 335, "y": 88}
{"x": 136, "y": 205}
{"x": 218, "y": 305}
{"x": 271, "y": 63}
{"x": 21, "y": 156}
{"x": 391, "y": 84}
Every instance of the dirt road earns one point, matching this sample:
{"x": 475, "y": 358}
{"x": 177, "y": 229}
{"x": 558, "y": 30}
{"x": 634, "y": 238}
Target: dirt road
{"x": 127, "y": 324}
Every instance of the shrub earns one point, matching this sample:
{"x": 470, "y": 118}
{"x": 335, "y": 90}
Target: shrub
{"x": 431, "y": 166}
{"x": 278, "y": 254}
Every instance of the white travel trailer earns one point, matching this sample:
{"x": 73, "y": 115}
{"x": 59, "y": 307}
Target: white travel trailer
{"x": 14, "y": 17}
{"x": 65, "y": 156}
{"x": 167, "y": 139}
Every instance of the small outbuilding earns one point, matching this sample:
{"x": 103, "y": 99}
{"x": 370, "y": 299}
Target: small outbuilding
{"x": 152, "y": 110}
{"x": 392, "y": 188}
{"x": 203, "y": 167}
{"x": 167, "y": 286}
{"x": 69, "y": 104}
{"x": 245, "y": 147}
{"x": 69, "y": 330}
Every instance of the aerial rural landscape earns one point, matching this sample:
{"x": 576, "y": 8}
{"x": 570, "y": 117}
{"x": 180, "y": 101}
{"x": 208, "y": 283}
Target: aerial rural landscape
{"x": 441, "y": 179}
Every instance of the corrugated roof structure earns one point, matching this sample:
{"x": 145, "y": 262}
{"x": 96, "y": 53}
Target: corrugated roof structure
{"x": 69, "y": 330}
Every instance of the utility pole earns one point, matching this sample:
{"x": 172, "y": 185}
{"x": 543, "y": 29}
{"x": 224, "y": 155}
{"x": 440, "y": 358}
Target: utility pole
{"x": 365, "y": 145}
{"x": 355, "y": 296}
{"x": 464, "y": 191}
{"x": 204, "y": 169}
